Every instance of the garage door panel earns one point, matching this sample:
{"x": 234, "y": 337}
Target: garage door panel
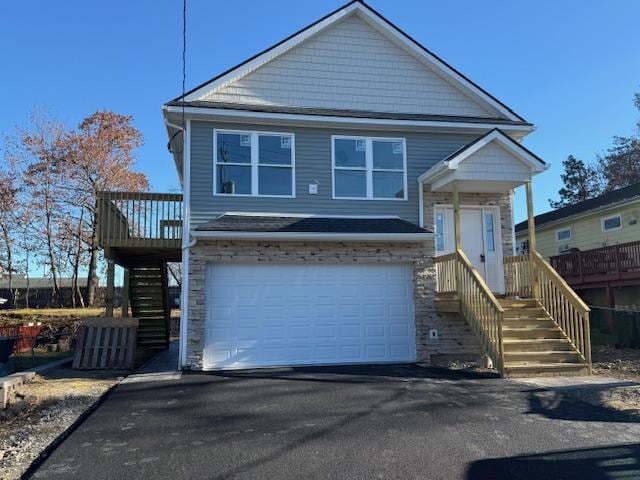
{"x": 271, "y": 314}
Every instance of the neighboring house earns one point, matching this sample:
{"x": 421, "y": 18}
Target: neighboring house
{"x": 333, "y": 186}
{"x": 595, "y": 246}
{"x": 39, "y": 290}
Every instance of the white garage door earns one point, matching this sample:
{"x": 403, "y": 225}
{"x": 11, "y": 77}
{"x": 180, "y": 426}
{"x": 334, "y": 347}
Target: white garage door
{"x": 268, "y": 315}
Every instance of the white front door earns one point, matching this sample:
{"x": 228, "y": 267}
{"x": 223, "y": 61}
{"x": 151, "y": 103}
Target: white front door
{"x": 261, "y": 315}
{"x": 480, "y": 239}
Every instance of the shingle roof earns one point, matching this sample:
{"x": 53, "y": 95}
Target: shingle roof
{"x": 261, "y": 223}
{"x": 332, "y": 112}
{"x": 609, "y": 198}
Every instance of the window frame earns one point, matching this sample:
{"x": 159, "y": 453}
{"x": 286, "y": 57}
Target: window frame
{"x": 368, "y": 168}
{"x": 255, "y": 162}
{"x": 558, "y": 239}
{"x": 604, "y": 219}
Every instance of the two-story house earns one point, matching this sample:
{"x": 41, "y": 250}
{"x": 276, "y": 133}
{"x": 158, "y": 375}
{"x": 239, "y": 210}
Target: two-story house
{"x": 338, "y": 185}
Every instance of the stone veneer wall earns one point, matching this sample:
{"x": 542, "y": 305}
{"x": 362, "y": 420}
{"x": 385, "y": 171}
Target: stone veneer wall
{"x": 503, "y": 200}
{"x": 454, "y": 339}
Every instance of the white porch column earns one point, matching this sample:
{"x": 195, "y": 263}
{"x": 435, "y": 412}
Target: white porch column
{"x": 535, "y": 288}
{"x": 456, "y": 215}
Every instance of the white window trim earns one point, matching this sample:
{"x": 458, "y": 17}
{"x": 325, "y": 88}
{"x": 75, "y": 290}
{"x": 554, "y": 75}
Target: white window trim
{"x": 604, "y": 219}
{"x": 368, "y": 167}
{"x": 254, "y": 165}
{"x": 558, "y": 239}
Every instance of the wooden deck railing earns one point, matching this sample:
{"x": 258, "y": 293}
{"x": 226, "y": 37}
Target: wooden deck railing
{"x": 139, "y": 219}
{"x": 615, "y": 262}
{"x": 477, "y": 303}
{"x": 446, "y": 272}
{"x": 517, "y": 276}
{"x": 565, "y": 307}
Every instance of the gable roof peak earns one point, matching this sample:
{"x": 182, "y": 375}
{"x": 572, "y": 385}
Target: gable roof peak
{"x": 378, "y": 22}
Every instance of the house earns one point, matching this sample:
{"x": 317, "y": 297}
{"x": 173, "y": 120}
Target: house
{"x": 348, "y": 198}
{"x": 38, "y": 292}
{"x": 595, "y": 246}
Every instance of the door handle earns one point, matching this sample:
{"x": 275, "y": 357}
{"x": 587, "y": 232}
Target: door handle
{"x": 482, "y": 259}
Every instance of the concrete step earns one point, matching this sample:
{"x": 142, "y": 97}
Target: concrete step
{"x": 537, "y": 345}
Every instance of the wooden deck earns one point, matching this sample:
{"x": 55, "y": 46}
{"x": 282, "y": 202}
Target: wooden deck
{"x": 140, "y": 227}
{"x": 612, "y": 265}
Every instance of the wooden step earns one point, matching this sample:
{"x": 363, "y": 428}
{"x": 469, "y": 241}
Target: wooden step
{"x": 518, "y": 302}
{"x": 531, "y": 332}
{"x": 545, "y": 370}
{"x": 528, "y": 322}
{"x": 536, "y": 345}
{"x": 525, "y": 312}
{"x": 541, "y": 357}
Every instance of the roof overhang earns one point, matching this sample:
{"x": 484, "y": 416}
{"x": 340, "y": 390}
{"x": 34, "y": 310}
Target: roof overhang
{"x": 314, "y": 237}
{"x": 174, "y": 113}
{"x": 442, "y": 175}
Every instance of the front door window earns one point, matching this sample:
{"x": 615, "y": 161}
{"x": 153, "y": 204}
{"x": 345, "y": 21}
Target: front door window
{"x": 479, "y": 240}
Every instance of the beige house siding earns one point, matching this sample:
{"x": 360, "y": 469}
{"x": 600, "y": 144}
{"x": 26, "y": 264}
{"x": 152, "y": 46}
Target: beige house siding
{"x": 503, "y": 200}
{"x": 350, "y": 65}
{"x": 454, "y": 335}
{"x": 586, "y": 232}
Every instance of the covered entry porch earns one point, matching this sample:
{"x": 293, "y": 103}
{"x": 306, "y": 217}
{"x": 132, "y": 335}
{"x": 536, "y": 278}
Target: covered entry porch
{"x": 528, "y": 320}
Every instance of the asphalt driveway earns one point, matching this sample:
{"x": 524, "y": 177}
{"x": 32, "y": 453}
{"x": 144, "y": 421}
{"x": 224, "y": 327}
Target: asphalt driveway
{"x": 385, "y": 422}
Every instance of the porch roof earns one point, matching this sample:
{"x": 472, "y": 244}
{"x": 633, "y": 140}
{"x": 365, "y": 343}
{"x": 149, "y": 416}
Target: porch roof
{"x": 493, "y": 162}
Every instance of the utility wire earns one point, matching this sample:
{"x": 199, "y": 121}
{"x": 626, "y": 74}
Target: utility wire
{"x": 184, "y": 73}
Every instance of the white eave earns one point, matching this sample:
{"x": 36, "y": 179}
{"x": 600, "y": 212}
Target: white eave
{"x": 449, "y": 166}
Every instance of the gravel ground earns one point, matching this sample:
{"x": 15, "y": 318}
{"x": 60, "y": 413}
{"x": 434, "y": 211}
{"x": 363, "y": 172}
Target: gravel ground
{"x": 50, "y": 405}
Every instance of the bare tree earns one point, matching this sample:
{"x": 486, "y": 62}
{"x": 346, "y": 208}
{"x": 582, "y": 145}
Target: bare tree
{"x": 101, "y": 154}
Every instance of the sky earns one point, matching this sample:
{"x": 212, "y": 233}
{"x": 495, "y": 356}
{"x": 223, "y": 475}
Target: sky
{"x": 570, "y": 67}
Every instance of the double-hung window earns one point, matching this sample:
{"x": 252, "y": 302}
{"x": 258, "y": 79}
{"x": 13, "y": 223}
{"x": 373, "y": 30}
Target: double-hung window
{"x": 254, "y": 163}
{"x": 611, "y": 223}
{"x": 369, "y": 168}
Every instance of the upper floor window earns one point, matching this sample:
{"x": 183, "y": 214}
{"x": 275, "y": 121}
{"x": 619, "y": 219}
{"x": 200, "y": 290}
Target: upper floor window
{"x": 254, "y": 163}
{"x": 563, "y": 235}
{"x": 369, "y": 168}
{"x": 611, "y": 223}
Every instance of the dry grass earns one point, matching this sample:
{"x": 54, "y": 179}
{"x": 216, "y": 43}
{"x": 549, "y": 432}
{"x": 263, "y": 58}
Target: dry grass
{"x": 57, "y": 315}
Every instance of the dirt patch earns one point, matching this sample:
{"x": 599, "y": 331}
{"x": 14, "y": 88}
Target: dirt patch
{"x": 48, "y": 406}
{"x": 621, "y": 363}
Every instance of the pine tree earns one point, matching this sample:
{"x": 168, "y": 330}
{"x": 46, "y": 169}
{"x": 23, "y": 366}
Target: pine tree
{"x": 581, "y": 182}
{"x": 620, "y": 167}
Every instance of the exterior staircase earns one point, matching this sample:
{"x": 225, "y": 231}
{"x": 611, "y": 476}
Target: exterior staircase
{"x": 148, "y": 288}
{"x": 534, "y": 345}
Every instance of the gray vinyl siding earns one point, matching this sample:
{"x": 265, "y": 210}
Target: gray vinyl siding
{"x": 312, "y": 164}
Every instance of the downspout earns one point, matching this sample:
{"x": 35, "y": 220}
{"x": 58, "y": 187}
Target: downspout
{"x": 186, "y": 244}
{"x": 421, "y": 202}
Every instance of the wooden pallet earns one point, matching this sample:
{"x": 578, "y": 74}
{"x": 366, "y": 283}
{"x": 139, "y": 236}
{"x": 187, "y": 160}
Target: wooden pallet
{"x": 106, "y": 344}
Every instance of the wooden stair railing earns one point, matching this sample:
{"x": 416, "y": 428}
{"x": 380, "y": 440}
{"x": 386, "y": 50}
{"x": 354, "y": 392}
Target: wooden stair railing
{"x": 478, "y": 305}
{"x": 561, "y": 302}
{"x": 565, "y": 307}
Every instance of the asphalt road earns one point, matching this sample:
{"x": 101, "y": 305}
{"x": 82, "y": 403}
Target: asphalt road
{"x": 374, "y": 422}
